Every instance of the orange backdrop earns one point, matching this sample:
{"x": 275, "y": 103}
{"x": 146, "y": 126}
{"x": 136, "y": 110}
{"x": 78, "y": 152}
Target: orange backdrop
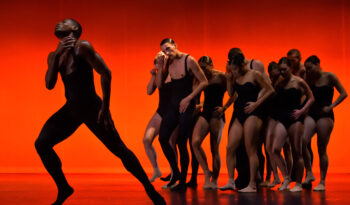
{"x": 127, "y": 35}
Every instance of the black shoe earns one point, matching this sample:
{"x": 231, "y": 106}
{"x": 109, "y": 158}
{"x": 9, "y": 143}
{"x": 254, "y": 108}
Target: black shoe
{"x": 180, "y": 187}
{"x": 166, "y": 179}
{"x": 156, "y": 198}
{"x": 192, "y": 184}
{"x": 306, "y": 185}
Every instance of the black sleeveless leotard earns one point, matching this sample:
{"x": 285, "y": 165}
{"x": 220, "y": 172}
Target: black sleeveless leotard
{"x": 284, "y": 103}
{"x": 213, "y": 97}
{"x": 323, "y": 97}
{"x": 180, "y": 89}
{"x": 164, "y": 99}
{"x": 248, "y": 92}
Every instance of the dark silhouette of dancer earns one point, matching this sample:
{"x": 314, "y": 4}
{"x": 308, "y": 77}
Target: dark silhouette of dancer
{"x": 75, "y": 59}
{"x": 182, "y": 69}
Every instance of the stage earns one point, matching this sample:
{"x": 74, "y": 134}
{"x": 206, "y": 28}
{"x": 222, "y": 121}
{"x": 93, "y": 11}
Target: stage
{"x": 28, "y": 189}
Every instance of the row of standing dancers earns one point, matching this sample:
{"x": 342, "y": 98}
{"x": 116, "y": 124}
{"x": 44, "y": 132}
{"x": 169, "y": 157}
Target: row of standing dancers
{"x": 180, "y": 79}
{"x": 281, "y": 110}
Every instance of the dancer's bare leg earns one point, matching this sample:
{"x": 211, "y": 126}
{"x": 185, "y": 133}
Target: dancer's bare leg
{"x": 269, "y": 145}
{"x": 235, "y": 136}
{"x": 324, "y": 130}
{"x": 309, "y": 131}
{"x": 288, "y": 155}
{"x": 216, "y": 127}
{"x": 200, "y": 131}
{"x": 252, "y": 127}
{"x": 280, "y": 138}
{"x": 150, "y": 134}
{"x": 295, "y": 132}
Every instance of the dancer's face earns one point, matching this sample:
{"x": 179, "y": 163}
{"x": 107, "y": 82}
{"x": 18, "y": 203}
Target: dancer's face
{"x": 274, "y": 73}
{"x": 294, "y": 60}
{"x": 284, "y": 70}
{"x": 311, "y": 68}
{"x": 207, "y": 68}
{"x": 64, "y": 28}
{"x": 169, "y": 49}
{"x": 234, "y": 69}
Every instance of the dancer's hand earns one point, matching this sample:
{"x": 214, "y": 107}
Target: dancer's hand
{"x": 63, "y": 48}
{"x": 218, "y": 111}
{"x": 184, "y": 104}
{"x": 326, "y": 109}
{"x": 296, "y": 114}
{"x": 104, "y": 116}
{"x": 66, "y": 44}
{"x": 250, "y": 107}
{"x": 154, "y": 71}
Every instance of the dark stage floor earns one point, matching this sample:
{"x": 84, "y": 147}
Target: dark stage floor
{"x": 124, "y": 189}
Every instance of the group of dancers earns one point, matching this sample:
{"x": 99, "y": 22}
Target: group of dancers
{"x": 282, "y": 112}
{"x": 281, "y": 109}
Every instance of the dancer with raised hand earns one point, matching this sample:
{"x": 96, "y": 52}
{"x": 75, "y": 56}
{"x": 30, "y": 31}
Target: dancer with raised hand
{"x": 247, "y": 123}
{"x": 182, "y": 69}
{"x": 211, "y": 120}
{"x": 288, "y": 114}
{"x": 153, "y": 126}
{"x": 75, "y": 60}
{"x": 320, "y": 119}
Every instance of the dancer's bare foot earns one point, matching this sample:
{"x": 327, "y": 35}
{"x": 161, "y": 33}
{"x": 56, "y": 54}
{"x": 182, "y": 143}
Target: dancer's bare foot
{"x": 213, "y": 184}
{"x": 274, "y": 183}
{"x": 320, "y": 187}
{"x": 309, "y": 178}
{"x": 63, "y": 194}
{"x": 285, "y": 184}
{"x": 207, "y": 176}
{"x": 265, "y": 183}
{"x": 248, "y": 189}
{"x": 229, "y": 186}
{"x": 167, "y": 186}
{"x": 297, "y": 188}
{"x": 156, "y": 174}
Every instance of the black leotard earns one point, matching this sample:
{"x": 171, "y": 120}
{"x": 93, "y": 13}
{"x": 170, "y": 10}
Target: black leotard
{"x": 164, "y": 99}
{"x": 180, "y": 89}
{"x": 284, "y": 103}
{"x": 323, "y": 97}
{"x": 248, "y": 92}
{"x": 79, "y": 85}
{"x": 213, "y": 96}
{"x": 83, "y": 106}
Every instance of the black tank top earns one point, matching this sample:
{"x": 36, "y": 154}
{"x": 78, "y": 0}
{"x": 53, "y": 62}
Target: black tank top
{"x": 79, "y": 85}
{"x": 213, "y": 96}
{"x": 287, "y": 100}
{"x": 182, "y": 87}
{"x": 164, "y": 98}
{"x": 248, "y": 92}
{"x": 323, "y": 97}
